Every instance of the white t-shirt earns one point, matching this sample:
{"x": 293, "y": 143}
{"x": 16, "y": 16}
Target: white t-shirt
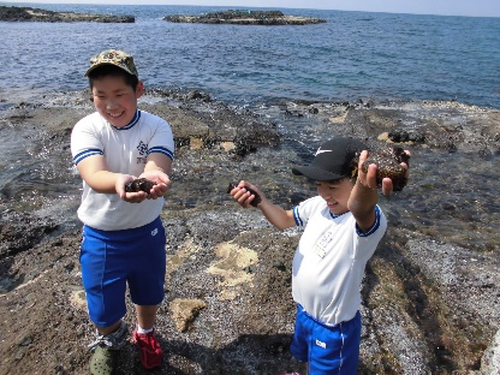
{"x": 125, "y": 150}
{"x": 329, "y": 263}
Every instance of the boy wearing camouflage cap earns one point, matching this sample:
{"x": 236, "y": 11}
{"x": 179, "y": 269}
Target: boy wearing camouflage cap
{"x": 123, "y": 236}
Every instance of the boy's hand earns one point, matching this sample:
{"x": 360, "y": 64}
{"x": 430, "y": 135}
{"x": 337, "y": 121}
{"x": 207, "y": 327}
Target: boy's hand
{"x": 158, "y": 190}
{"x": 161, "y": 180}
{"x": 131, "y": 197}
{"x": 246, "y": 194}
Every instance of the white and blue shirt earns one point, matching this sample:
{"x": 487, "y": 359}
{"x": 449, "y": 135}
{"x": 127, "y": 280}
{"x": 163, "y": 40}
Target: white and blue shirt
{"x": 329, "y": 263}
{"x": 125, "y": 150}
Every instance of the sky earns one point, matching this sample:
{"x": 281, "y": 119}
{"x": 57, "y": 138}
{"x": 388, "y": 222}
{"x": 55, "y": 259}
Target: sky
{"x": 473, "y": 8}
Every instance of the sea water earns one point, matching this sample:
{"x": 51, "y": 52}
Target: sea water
{"x": 353, "y": 55}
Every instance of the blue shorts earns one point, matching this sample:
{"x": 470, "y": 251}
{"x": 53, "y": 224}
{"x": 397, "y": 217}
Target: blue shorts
{"x": 329, "y": 350}
{"x": 111, "y": 259}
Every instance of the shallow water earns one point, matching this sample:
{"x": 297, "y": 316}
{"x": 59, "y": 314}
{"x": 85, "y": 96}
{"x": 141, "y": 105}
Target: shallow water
{"x": 451, "y": 196}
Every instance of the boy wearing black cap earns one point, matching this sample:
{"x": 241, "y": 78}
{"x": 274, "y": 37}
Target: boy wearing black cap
{"x": 343, "y": 226}
{"x": 123, "y": 236}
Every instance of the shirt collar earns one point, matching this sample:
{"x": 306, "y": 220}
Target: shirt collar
{"x": 131, "y": 124}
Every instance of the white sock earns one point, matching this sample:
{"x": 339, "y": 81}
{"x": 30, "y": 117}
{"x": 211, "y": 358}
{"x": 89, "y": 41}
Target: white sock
{"x": 143, "y": 331}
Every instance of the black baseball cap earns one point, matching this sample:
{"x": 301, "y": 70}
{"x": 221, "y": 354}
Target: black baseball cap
{"x": 333, "y": 160}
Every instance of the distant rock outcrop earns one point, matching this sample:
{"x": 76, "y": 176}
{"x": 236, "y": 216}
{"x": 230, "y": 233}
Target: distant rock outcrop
{"x": 27, "y": 14}
{"x": 246, "y": 17}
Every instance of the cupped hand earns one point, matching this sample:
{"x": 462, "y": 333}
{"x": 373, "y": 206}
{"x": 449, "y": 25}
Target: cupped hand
{"x": 161, "y": 180}
{"x": 131, "y": 197}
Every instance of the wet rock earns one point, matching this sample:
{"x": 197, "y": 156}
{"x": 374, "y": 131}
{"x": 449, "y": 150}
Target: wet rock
{"x": 403, "y": 136}
{"x": 198, "y": 95}
{"x": 140, "y": 184}
{"x": 450, "y": 126}
{"x": 388, "y": 161}
{"x": 215, "y": 125}
{"x": 20, "y": 231}
{"x": 245, "y": 17}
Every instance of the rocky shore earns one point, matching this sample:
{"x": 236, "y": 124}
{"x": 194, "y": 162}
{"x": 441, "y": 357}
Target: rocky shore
{"x": 245, "y": 17}
{"x": 28, "y": 14}
{"x": 431, "y": 293}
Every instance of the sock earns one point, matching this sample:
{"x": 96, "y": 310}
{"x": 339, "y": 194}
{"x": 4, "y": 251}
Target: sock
{"x": 143, "y": 331}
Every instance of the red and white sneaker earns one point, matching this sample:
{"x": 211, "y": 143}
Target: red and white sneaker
{"x": 150, "y": 351}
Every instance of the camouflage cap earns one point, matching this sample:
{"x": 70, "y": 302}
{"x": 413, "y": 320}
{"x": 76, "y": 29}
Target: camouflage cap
{"x": 116, "y": 58}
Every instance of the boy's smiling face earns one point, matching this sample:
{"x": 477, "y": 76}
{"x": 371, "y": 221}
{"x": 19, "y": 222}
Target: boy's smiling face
{"x": 336, "y": 194}
{"x": 115, "y": 100}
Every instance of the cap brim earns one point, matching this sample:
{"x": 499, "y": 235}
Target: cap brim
{"x": 106, "y": 63}
{"x": 316, "y": 174}
{"x": 90, "y": 69}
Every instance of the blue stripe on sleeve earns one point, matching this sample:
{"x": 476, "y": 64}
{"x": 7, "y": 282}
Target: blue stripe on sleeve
{"x": 374, "y": 227}
{"x": 296, "y": 216}
{"x": 85, "y": 154}
{"x": 161, "y": 150}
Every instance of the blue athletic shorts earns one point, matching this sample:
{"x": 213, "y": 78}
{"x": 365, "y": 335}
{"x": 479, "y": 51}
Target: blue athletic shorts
{"x": 111, "y": 259}
{"x": 329, "y": 350}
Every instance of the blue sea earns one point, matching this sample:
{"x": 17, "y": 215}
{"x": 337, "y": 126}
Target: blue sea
{"x": 354, "y": 55}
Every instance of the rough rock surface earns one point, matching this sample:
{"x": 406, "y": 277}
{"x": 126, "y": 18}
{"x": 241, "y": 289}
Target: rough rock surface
{"x": 245, "y": 17}
{"x": 490, "y": 363}
{"x": 430, "y": 295}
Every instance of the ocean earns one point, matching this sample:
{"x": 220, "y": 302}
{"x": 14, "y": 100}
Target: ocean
{"x": 354, "y": 55}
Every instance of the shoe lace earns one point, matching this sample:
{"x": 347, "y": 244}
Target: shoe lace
{"x": 114, "y": 340}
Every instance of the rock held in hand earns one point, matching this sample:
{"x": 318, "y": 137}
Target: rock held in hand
{"x": 255, "y": 201}
{"x": 140, "y": 184}
{"x": 388, "y": 161}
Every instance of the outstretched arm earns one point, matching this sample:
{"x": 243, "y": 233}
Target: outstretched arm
{"x": 364, "y": 195}
{"x": 96, "y": 174}
{"x": 276, "y": 215}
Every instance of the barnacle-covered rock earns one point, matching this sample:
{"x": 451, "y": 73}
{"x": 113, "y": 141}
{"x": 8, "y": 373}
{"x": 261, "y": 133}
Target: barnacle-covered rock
{"x": 140, "y": 184}
{"x": 388, "y": 161}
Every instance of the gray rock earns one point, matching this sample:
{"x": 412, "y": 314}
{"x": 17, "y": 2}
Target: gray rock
{"x": 28, "y": 14}
{"x": 490, "y": 363}
{"x": 245, "y": 17}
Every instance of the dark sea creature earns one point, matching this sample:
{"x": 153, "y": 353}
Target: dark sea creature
{"x": 388, "y": 162}
{"x": 255, "y": 201}
{"x": 140, "y": 184}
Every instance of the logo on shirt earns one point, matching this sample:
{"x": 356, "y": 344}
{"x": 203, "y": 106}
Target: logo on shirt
{"x": 154, "y": 232}
{"x": 321, "y": 344}
{"x": 143, "y": 152}
{"x": 143, "y": 148}
{"x": 320, "y": 151}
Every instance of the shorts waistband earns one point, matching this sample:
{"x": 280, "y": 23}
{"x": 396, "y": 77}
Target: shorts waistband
{"x": 152, "y": 224}
{"x": 321, "y": 323}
